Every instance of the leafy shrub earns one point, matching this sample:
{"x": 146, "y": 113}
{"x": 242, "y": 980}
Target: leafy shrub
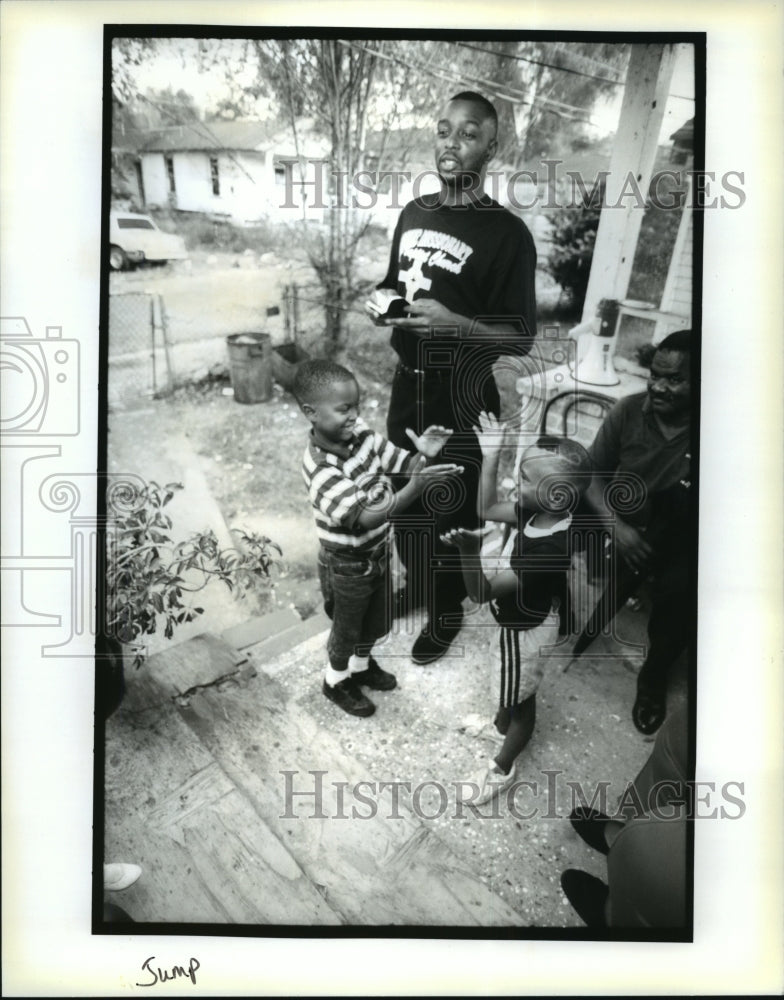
{"x": 147, "y": 577}
{"x": 573, "y": 237}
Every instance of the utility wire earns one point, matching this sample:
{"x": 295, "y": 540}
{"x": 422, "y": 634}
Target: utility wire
{"x": 206, "y": 133}
{"x": 502, "y": 92}
{"x": 560, "y": 69}
{"x": 539, "y": 62}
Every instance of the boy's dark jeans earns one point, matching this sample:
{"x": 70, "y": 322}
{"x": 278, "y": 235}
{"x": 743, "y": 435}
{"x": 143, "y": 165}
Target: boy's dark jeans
{"x": 355, "y": 587}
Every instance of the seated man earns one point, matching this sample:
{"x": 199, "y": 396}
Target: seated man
{"x": 645, "y": 844}
{"x": 646, "y": 440}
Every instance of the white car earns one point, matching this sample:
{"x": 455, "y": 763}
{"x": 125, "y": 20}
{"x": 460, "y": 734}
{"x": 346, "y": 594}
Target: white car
{"x": 135, "y": 238}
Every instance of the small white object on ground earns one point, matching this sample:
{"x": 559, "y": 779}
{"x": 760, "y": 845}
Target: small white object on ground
{"x": 120, "y": 875}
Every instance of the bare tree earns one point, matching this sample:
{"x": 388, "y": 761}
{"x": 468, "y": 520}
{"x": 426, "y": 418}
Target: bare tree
{"x": 330, "y": 83}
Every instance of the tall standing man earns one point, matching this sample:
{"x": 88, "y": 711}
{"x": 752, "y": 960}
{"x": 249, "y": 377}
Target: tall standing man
{"x": 465, "y": 266}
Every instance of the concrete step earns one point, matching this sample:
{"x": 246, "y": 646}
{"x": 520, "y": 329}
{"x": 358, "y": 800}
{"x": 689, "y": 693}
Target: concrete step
{"x": 275, "y": 633}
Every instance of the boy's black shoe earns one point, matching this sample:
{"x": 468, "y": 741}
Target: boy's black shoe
{"x": 374, "y": 677}
{"x": 587, "y": 894}
{"x": 347, "y": 696}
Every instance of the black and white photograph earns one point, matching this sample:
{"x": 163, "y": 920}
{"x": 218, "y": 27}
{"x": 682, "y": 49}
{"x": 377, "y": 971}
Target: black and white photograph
{"x": 401, "y": 467}
{"x": 396, "y": 587}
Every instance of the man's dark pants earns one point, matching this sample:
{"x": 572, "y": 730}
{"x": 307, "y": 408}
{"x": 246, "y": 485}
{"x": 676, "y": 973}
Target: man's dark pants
{"x": 434, "y": 577}
{"x": 670, "y": 620}
{"x": 647, "y": 863}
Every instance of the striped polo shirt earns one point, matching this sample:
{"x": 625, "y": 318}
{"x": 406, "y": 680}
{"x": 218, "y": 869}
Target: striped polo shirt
{"x": 339, "y": 487}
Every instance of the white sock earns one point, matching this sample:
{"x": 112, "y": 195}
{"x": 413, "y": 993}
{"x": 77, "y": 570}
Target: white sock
{"x": 333, "y": 676}
{"x": 358, "y": 663}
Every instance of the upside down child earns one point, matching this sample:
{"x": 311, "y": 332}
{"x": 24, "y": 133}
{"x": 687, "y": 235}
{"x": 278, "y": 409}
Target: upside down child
{"x": 528, "y": 600}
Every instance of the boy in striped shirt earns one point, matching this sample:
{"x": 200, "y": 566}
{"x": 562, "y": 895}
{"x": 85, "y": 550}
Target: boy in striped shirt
{"x": 345, "y": 467}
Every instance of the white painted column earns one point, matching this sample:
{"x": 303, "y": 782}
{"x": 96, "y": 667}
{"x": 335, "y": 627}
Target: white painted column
{"x": 631, "y": 166}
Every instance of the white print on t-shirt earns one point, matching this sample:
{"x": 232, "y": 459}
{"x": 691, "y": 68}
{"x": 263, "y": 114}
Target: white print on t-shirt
{"x": 428, "y": 247}
{"x": 413, "y": 278}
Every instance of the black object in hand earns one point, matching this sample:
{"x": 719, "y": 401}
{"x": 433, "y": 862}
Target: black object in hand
{"x": 386, "y": 304}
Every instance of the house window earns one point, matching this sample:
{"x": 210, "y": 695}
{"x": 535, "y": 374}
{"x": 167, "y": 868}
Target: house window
{"x": 214, "y": 175}
{"x": 169, "y": 161}
{"x": 280, "y": 175}
{"x": 140, "y": 181}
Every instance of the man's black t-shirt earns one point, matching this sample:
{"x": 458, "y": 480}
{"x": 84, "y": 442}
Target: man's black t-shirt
{"x": 478, "y": 260}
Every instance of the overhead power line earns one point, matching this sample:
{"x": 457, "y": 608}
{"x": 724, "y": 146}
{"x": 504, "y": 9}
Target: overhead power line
{"x": 560, "y": 69}
{"x": 502, "y": 92}
{"x": 539, "y": 62}
{"x": 203, "y": 131}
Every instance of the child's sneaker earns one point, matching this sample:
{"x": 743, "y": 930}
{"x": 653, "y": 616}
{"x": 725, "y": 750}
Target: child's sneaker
{"x": 347, "y": 696}
{"x": 490, "y": 781}
{"x": 374, "y": 677}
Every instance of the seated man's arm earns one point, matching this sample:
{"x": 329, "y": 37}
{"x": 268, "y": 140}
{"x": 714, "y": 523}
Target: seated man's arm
{"x": 605, "y": 455}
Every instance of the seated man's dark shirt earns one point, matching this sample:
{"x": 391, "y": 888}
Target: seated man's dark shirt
{"x": 648, "y": 472}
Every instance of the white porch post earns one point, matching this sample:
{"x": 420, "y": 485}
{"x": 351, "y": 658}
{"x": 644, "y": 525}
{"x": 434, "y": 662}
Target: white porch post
{"x": 634, "y": 151}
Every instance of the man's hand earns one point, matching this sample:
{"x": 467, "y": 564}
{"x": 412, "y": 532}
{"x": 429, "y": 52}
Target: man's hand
{"x": 431, "y": 441}
{"x": 466, "y": 540}
{"x": 424, "y": 313}
{"x": 632, "y": 546}
{"x": 490, "y": 433}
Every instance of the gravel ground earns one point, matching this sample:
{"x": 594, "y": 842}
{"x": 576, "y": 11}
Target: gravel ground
{"x": 437, "y": 727}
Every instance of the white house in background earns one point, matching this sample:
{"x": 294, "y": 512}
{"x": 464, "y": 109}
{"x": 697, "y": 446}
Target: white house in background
{"x": 234, "y": 169}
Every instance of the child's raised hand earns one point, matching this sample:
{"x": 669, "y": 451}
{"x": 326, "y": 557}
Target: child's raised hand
{"x": 423, "y": 475}
{"x": 464, "y": 539}
{"x": 490, "y": 433}
{"x": 431, "y": 441}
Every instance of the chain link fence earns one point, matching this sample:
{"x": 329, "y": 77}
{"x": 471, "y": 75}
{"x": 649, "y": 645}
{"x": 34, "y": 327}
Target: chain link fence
{"x": 158, "y": 342}
{"x": 140, "y": 363}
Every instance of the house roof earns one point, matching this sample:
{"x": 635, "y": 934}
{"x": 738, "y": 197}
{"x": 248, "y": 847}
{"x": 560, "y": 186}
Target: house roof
{"x": 683, "y": 138}
{"x": 197, "y": 135}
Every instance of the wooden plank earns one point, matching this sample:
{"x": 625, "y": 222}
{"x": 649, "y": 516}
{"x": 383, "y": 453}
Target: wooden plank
{"x": 206, "y": 855}
{"x": 376, "y": 871}
{"x": 246, "y": 866}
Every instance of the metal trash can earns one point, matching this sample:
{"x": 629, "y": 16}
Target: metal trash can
{"x": 250, "y": 365}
